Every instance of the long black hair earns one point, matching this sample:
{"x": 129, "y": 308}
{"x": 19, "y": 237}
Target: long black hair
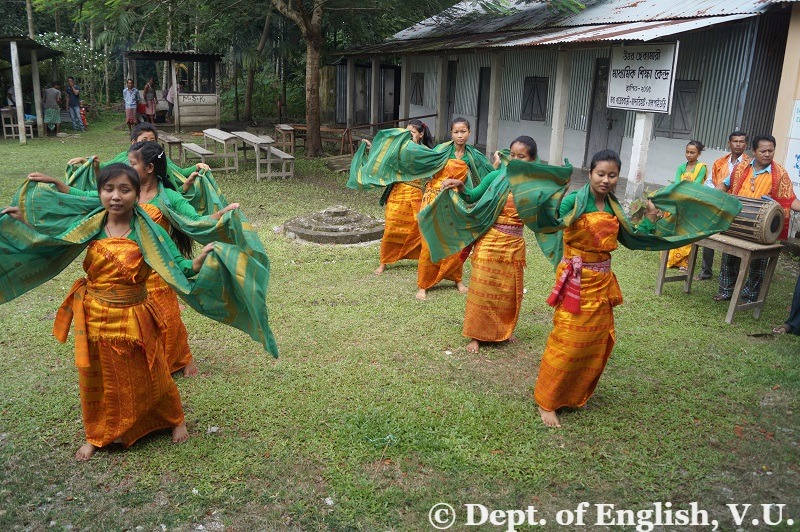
{"x": 152, "y": 153}
{"x": 427, "y": 138}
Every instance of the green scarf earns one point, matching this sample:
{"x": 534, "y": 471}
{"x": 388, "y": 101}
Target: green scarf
{"x": 697, "y": 211}
{"x": 394, "y": 158}
{"x": 231, "y": 287}
{"x": 205, "y": 195}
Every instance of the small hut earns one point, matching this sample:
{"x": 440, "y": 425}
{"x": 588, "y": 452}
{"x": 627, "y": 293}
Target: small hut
{"x": 21, "y": 51}
{"x": 198, "y": 105}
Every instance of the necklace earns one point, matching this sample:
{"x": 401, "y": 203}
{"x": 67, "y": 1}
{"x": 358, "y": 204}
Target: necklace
{"x": 123, "y": 235}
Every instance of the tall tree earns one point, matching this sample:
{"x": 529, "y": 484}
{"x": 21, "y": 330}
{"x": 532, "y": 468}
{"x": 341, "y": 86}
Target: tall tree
{"x": 308, "y": 16}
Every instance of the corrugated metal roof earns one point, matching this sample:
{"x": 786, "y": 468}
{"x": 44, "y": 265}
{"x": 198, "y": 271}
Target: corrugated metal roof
{"x": 466, "y": 19}
{"x": 614, "y": 11}
{"x": 635, "y": 31}
{"x": 631, "y": 31}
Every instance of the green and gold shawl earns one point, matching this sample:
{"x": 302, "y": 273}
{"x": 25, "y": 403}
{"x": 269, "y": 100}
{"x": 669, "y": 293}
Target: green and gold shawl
{"x": 230, "y": 288}
{"x": 394, "y": 158}
{"x": 204, "y": 195}
{"x": 697, "y": 211}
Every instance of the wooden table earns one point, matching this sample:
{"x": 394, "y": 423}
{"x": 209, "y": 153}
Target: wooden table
{"x": 226, "y": 140}
{"x": 258, "y": 142}
{"x": 170, "y": 141}
{"x": 284, "y": 137}
{"x": 737, "y": 247}
{"x": 329, "y": 134}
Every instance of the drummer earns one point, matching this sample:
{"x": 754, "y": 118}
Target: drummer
{"x": 762, "y": 177}
{"x": 722, "y": 168}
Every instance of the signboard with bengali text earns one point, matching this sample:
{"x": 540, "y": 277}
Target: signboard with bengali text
{"x": 642, "y": 77}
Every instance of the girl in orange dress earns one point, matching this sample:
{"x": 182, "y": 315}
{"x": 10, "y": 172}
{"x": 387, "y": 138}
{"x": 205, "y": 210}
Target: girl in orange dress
{"x": 586, "y": 292}
{"x": 401, "y": 237}
{"x": 696, "y": 171}
{"x": 125, "y": 384}
{"x": 495, "y": 290}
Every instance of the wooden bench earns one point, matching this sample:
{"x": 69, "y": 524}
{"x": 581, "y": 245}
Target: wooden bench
{"x": 170, "y": 141}
{"x": 191, "y": 147}
{"x": 258, "y": 143}
{"x": 228, "y": 141}
{"x": 284, "y": 138}
{"x": 737, "y": 247}
{"x": 279, "y": 163}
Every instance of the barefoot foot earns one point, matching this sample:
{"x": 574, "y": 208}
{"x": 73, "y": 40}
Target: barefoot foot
{"x": 422, "y": 294}
{"x": 191, "y": 369}
{"x": 180, "y": 434}
{"x": 473, "y": 346}
{"x": 549, "y": 418}
{"x": 85, "y": 452}
{"x": 461, "y": 287}
{"x": 380, "y": 269}
{"x": 512, "y": 339}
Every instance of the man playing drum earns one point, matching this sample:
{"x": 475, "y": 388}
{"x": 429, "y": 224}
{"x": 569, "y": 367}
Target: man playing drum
{"x": 762, "y": 177}
{"x": 722, "y": 168}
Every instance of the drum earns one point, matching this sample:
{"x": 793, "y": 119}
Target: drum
{"x": 761, "y": 221}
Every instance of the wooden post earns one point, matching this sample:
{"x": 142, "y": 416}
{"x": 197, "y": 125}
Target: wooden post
{"x": 495, "y": 88}
{"x": 37, "y": 94}
{"x": 560, "y": 106}
{"x": 351, "y": 91}
{"x": 216, "y": 91}
{"x": 377, "y": 95}
{"x": 642, "y": 132}
{"x": 23, "y": 139}
{"x": 176, "y": 116}
{"x": 442, "y": 121}
{"x": 404, "y": 77}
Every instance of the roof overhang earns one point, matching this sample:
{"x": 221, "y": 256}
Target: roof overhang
{"x": 24, "y": 47}
{"x": 576, "y": 36}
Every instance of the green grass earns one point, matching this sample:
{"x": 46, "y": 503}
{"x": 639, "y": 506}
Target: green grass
{"x": 375, "y": 404}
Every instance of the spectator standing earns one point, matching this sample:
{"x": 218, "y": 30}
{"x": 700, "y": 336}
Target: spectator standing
{"x": 150, "y": 99}
{"x": 171, "y": 99}
{"x": 722, "y": 168}
{"x": 52, "y": 107}
{"x": 130, "y": 95}
{"x": 74, "y": 104}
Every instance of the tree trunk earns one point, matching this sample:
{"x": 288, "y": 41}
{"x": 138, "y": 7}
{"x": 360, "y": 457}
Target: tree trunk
{"x": 313, "y": 57}
{"x": 251, "y": 70}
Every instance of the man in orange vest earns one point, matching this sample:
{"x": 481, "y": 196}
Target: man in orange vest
{"x": 761, "y": 177}
{"x": 722, "y": 168}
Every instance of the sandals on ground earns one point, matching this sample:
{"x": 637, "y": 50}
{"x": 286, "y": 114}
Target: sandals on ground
{"x": 720, "y": 297}
{"x": 782, "y": 329}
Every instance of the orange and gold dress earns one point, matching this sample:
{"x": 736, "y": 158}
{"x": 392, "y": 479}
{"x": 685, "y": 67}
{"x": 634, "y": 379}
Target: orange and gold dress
{"x": 401, "y": 236}
{"x": 450, "y": 268}
{"x": 126, "y": 388}
{"x": 495, "y": 287}
{"x": 177, "y": 348}
{"x": 580, "y": 344}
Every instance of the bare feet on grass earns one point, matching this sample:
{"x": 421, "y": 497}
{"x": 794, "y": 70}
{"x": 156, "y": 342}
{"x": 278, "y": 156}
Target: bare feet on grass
{"x": 422, "y": 294}
{"x": 461, "y": 287}
{"x": 85, "y": 452}
{"x": 380, "y": 269}
{"x": 180, "y": 434}
{"x": 549, "y": 418}
{"x": 191, "y": 369}
{"x": 473, "y": 346}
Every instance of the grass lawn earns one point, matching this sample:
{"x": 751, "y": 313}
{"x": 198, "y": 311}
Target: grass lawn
{"x": 374, "y": 411}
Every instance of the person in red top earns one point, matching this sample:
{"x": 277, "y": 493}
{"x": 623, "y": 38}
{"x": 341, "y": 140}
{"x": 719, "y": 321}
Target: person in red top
{"x": 721, "y": 169}
{"x": 761, "y": 177}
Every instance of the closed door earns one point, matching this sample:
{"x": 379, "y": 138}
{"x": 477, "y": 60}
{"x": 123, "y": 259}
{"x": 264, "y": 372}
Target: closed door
{"x": 606, "y": 125}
